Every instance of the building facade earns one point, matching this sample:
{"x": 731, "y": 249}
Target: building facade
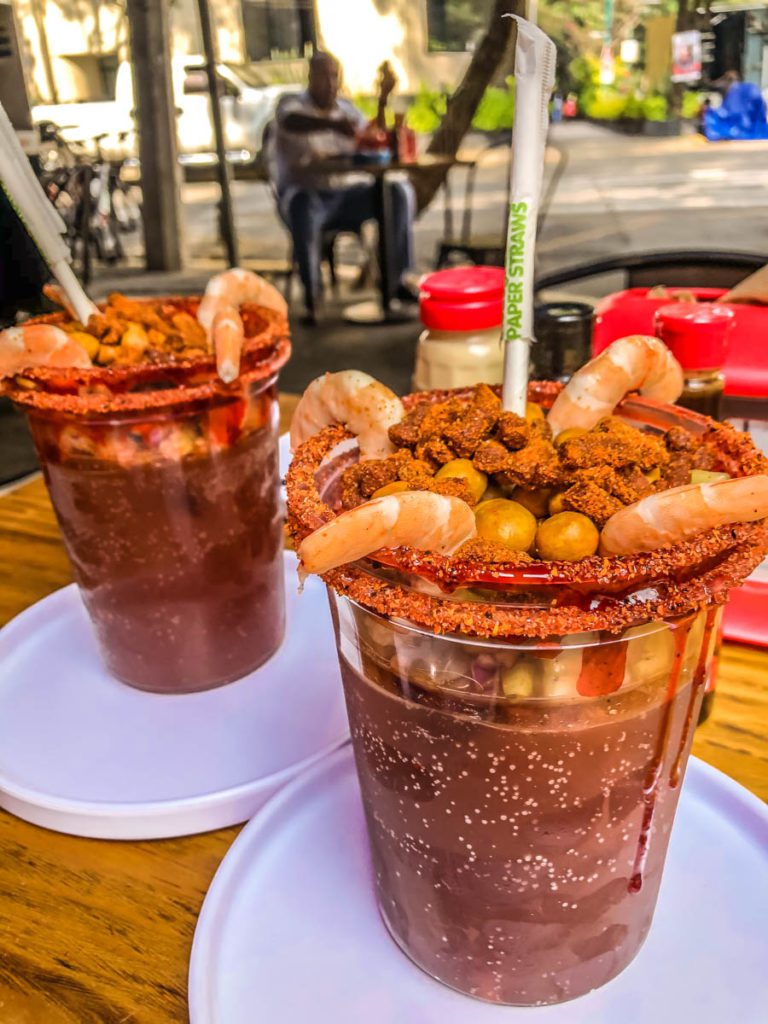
{"x": 72, "y": 48}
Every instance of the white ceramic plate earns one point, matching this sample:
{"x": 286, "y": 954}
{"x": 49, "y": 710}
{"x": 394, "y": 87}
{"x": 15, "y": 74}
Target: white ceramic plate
{"x": 289, "y": 932}
{"x": 85, "y": 754}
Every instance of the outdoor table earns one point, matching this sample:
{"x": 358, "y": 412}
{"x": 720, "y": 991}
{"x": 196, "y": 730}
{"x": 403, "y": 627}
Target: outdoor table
{"x": 382, "y": 311}
{"x": 100, "y": 932}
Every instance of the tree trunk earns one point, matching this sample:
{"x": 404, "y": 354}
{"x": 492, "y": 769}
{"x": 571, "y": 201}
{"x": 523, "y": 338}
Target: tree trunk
{"x": 464, "y": 102}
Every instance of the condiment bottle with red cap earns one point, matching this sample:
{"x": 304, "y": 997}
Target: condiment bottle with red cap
{"x": 461, "y": 310}
{"x": 697, "y": 335}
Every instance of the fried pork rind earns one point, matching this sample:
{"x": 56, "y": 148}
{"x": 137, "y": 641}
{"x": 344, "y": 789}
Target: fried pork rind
{"x": 591, "y": 500}
{"x": 361, "y": 481}
{"x": 596, "y": 473}
{"x": 454, "y": 426}
{"x": 513, "y": 431}
{"x": 616, "y": 444}
{"x": 435, "y": 451}
{"x": 492, "y": 457}
{"x": 678, "y": 470}
{"x": 678, "y": 439}
{"x": 407, "y": 433}
{"x": 534, "y": 466}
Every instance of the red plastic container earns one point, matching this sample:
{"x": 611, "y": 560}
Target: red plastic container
{"x": 746, "y": 376}
{"x": 745, "y": 367}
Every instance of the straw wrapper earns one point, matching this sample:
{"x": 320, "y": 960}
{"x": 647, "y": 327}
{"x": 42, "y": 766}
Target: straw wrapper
{"x": 535, "y": 57}
{"x": 38, "y": 215}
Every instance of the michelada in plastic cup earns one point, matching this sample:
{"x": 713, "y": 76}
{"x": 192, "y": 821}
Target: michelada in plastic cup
{"x": 526, "y": 611}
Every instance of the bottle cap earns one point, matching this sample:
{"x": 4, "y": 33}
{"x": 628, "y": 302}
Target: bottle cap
{"x": 462, "y": 299}
{"x": 695, "y": 332}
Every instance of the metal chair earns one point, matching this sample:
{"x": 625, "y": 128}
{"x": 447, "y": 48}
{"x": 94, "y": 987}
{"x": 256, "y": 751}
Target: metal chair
{"x": 265, "y": 173}
{"x": 686, "y": 268}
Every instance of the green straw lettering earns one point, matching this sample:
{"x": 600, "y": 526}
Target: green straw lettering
{"x": 513, "y": 289}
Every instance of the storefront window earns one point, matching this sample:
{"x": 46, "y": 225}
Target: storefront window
{"x": 456, "y": 24}
{"x": 278, "y": 29}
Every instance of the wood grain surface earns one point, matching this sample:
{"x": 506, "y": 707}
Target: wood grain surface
{"x": 95, "y": 932}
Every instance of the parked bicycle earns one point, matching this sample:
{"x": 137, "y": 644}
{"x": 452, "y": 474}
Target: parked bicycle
{"x": 92, "y": 196}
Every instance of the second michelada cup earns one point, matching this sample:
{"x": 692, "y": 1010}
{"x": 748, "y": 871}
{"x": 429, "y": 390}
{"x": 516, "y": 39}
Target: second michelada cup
{"x": 165, "y": 483}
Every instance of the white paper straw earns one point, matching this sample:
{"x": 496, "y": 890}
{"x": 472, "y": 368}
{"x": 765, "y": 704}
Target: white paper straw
{"x": 535, "y": 56}
{"x": 41, "y": 220}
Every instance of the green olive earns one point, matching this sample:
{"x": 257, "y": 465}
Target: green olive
{"x": 569, "y": 434}
{"x": 568, "y": 537}
{"x": 506, "y": 522}
{"x": 394, "y": 488}
{"x": 536, "y": 501}
{"x": 533, "y": 412}
{"x": 491, "y": 493}
{"x": 556, "y": 504}
{"x": 462, "y": 469}
{"x": 704, "y": 476}
{"x": 650, "y": 652}
{"x": 520, "y": 680}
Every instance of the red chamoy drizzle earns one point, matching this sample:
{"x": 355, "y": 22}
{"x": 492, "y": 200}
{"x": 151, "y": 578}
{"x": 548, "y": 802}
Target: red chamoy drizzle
{"x": 602, "y": 669}
{"x": 699, "y": 680}
{"x": 653, "y": 778}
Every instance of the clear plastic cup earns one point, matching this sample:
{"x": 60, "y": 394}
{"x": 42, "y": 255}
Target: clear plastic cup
{"x": 165, "y": 484}
{"x": 518, "y": 841}
{"x": 521, "y": 732}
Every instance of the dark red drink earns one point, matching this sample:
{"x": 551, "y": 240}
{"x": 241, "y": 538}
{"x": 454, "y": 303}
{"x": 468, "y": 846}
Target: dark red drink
{"x": 518, "y": 842}
{"x": 166, "y": 487}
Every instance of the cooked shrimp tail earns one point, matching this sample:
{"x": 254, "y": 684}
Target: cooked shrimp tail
{"x": 232, "y": 289}
{"x": 228, "y": 334}
{"x": 39, "y": 345}
{"x": 669, "y": 517}
{"x": 420, "y": 519}
{"x": 636, "y": 363}
{"x": 358, "y": 401}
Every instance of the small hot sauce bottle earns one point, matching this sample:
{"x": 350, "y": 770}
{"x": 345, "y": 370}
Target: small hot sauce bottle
{"x": 697, "y": 335}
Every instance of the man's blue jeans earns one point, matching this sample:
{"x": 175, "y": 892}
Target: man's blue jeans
{"x": 309, "y": 213}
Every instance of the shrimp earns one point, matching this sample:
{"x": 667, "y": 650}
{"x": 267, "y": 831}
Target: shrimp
{"x": 228, "y": 335}
{"x": 235, "y": 287}
{"x": 420, "y": 519}
{"x": 635, "y": 363}
{"x": 39, "y": 345}
{"x": 218, "y": 313}
{"x": 668, "y": 517}
{"x": 363, "y": 404}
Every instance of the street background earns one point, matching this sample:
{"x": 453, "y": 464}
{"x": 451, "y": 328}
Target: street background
{"x": 617, "y": 194}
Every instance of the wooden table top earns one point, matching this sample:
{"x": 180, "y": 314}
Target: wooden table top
{"x": 96, "y": 932}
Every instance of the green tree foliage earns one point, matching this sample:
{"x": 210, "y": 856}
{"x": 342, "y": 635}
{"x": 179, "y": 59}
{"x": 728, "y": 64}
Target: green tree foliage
{"x": 456, "y": 24}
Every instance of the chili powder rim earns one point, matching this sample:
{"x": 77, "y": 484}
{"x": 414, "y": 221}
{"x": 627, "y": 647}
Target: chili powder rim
{"x": 596, "y": 593}
{"x": 62, "y": 390}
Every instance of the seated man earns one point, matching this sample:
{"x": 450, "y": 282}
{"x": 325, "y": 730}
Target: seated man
{"x": 314, "y": 126}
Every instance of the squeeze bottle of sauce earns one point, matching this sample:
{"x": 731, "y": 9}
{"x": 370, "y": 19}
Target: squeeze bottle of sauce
{"x": 461, "y": 310}
{"x": 697, "y": 335}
